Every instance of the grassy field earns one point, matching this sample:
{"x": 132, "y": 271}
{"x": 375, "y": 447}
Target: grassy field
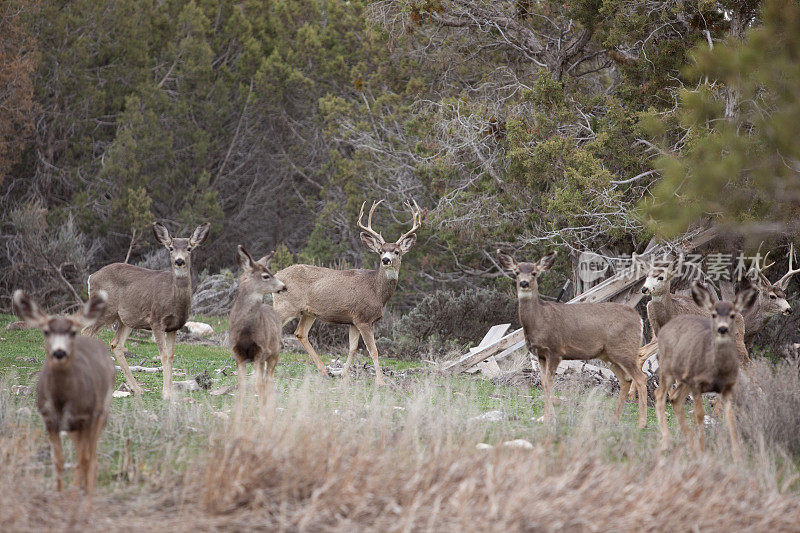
{"x": 345, "y": 456}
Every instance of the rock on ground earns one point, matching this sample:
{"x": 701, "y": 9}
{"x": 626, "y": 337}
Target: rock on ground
{"x": 199, "y": 328}
{"x": 490, "y": 416}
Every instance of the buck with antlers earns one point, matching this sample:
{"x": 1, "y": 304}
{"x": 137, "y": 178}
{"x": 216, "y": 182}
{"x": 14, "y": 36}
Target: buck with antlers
{"x": 611, "y": 332}
{"x": 255, "y": 328}
{"x": 157, "y": 300}
{"x": 771, "y": 300}
{"x": 75, "y": 383}
{"x": 353, "y": 297}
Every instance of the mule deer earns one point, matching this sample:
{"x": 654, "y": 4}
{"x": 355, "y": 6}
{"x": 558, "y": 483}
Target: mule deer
{"x": 354, "y": 297}
{"x": 664, "y": 306}
{"x": 255, "y": 328}
{"x": 611, "y": 332}
{"x": 75, "y": 383}
{"x": 771, "y": 300}
{"x": 156, "y": 300}
{"x": 701, "y": 354}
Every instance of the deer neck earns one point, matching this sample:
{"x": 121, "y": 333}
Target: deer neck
{"x": 386, "y": 282}
{"x": 247, "y": 301}
{"x": 182, "y": 290}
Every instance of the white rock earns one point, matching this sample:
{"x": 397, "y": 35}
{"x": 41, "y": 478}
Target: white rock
{"x": 188, "y": 385}
{"x": 199, "y": 328}
{"x": 20, "y": 390}
{"x": 24, "y": 411}
{"x": 490, "y": 416}
{"x": 120, "y": 394}
{"x": 484, "y": 446}
{"x": 519, "y": 443}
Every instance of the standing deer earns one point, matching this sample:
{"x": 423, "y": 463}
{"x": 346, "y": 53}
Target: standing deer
{"x": 354, "y": 297}
{"x": 771, "y": 300}
{"x": 700, "y": 354}
{"x": 255, "y": 328}
{"x": 156, "y": 300}
{"x": 611, "y": 332}
{"x": 75, "y": 383}
{"x": 664, "y": 306}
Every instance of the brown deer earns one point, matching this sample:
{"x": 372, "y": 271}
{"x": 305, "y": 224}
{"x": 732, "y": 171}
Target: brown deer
{"x": 75, "y": 383}
{"x": 354, "y": 297}
{"x": 611, "y": 332}
{"x": 255, "y": 328}
{"x": 664, "y": 306}
{"x": 701, "y": 354}
{"x": 771, "y": 300}
{"x": 156, "y": 300}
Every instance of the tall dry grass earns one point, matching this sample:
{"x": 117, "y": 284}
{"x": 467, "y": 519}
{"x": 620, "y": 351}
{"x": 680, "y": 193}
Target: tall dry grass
{"x": 347, "y": 458}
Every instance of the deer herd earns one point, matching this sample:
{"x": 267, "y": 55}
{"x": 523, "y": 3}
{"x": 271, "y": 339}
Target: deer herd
{"x": 701, "y": 340}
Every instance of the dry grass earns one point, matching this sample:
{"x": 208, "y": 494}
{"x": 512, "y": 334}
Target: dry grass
{"x": 344, "y": 458}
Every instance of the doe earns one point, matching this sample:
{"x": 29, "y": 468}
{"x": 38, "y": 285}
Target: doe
{"x": 75, "y": 383}
{"x": 611, "y": 332}
{"x": 255, "y": 327}
{"x": 700, "y": 354}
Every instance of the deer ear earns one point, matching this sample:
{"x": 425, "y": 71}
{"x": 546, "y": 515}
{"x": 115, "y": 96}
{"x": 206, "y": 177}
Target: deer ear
{"x": 408, "y": 242}
{"x": 702, "y": 297}
{"x": 370, "y": 242}
{"x": 745, "y": 298}
{"x": 244, "y": 259}
{"x": 507, "y": 261}
{"x": 546, "y": 262}
{"x": 92, "y": 309}
{"x": 266, "y": 259}
{"x": 162, "y": 234}
{"x": 28, "y": 310}
{"x": 199, "y": 235}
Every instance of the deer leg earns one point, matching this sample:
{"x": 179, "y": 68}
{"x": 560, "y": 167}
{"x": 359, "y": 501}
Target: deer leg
{"x": 624, "y": 387}
{"x": 118, "y": 349}
{"x": 166, "y": 364}
{"x": 699, "y": 416}
{"x": 368, "y": 334}
{"x": 79, "y": 440}
{"x": 354, "y": 336}
{"x": 269, "y": 385}
{"x": 640, "y": 384}
{"x": 241, "y": 373}
{"x": 169, "y": 345}
{"x": 727, "y": 399}
{"x": 678, "y": 399}
{"x": 548, "y": 366}
{"x": 58, "y": 457}
{"x": 665, "y": 383}
{"x": 94, "y": 436}
{"x": 260, "y": 376}
{"x": 303, "y": 327}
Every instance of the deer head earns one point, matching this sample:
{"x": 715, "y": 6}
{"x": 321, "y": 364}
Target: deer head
{"x": 657, "y": 282}
{"x": 59, "y": 331}
{"x": 256, "y": 277}
{"x": 772, "y": 296}
{"x": 180, "y": 249}
{"x": 391, "y": 253}
{"x": 526, "y": 274}
{"x": 723, "y": 313}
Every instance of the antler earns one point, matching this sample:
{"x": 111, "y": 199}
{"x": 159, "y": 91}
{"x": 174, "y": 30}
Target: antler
{"x": 784, "y": 281}
{"x": 759, "y": 270}
{"x": 416, "y": 220}
{"x": 368, "y": 227}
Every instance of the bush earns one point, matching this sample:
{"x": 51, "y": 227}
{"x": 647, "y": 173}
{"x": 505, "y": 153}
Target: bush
{"x": 768, "y": 405}
{"x": 50, "y": 262}
{"x": 444, "y": 320}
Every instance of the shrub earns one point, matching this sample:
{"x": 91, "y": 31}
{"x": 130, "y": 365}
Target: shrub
{"x": 445, "y": 319}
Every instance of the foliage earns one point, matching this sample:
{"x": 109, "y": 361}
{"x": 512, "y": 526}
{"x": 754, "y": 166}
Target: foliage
{"x": 739, "y": 161}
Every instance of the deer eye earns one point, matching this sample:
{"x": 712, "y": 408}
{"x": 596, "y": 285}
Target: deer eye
{"x": 265, "y": 276}
{"x": 660, "y": 278}
{"x": 46, "y": 333}
{"x": 397, "y": 252}
{"x": 171, "y": 249}
{"x": 772, "y": 297}
{"x": 713, "y": 315}
{"x": 72, "y": 334}
{"x": 733, "y": 315}
{"x": 188, "y": 248}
